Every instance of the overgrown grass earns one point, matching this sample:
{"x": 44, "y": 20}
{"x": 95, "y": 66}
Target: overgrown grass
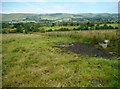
{"x": 29, "y": 60}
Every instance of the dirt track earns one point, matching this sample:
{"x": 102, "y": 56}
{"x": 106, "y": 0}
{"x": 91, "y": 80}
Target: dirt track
{"x": 84, "y": 49}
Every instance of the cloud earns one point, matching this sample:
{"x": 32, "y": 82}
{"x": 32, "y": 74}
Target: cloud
{"x": 38, "y": 8}
{"x": 27, "y": 8}
{"x": 58, "y": 7}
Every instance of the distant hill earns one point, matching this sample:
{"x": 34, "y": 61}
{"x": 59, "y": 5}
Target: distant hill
{"x": 58, "y": 17}
{"x": 17, "y": 16}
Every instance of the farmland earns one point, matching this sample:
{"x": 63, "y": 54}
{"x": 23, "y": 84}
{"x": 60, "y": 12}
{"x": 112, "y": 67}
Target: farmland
{"x": 60, "y": 50}
{"x": 31, "y": 60}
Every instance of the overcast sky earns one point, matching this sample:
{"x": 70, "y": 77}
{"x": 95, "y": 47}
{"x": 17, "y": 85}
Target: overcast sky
{"x": 46, "y": 6}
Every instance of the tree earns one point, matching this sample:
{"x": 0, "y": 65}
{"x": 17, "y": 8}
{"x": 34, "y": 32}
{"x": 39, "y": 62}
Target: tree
{"x": 110, "y": 27}
{"x": 71, "y": 24}
{"x": 64, "y": 24}
{"x": 53, "y": 24}
{"x": 105, "y": 26}
{"x": 5, "y": 25}
{"x": 19, "y": 27}
{"x": 77, "y": 24}
{"x": 116, "y": 27}
{"x": 97, "y": 27}
{"x": 90, "y": 24}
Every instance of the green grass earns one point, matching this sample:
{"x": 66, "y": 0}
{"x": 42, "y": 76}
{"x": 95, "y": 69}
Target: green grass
{"x": 71, "y": 27}
{"x": 113, "y": 24}
{"x": 29, "y": 60}
{"x": 58, "y": 27}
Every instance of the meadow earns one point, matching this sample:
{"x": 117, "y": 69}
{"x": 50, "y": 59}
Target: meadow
{"x": 55, "y": 28}
{"x": 72, "y": 27}
{"x": 30, "y": 60}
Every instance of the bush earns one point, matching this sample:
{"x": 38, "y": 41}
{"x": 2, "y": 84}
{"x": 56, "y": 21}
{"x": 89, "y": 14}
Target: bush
{"x": 77, "y": 28}
{"x": 74, "y": 28}
{"x": 116, "y": 27}
{"x": 4, "y": 31}
{"x": 8, "y": 30}
{"x": 12, "y": 30}
{"x": 63, "y": 29}
{"x": 50, "y": 30}
{"x": 110, "y": 27}
{"x": 25, "y": 31}
{"x": 42, "y": 30}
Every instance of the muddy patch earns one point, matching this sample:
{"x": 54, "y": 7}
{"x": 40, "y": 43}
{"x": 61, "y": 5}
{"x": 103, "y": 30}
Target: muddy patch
{"x": 84, "y": 49}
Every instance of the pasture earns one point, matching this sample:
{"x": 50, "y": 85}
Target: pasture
{"x": 30, "y": 60}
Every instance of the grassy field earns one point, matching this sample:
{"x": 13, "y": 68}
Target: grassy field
{"x": 71, "y": 27}
{"x": 30, "y": 60}
{"x": 58, "y": 27}
{"x": 113, "y": 24}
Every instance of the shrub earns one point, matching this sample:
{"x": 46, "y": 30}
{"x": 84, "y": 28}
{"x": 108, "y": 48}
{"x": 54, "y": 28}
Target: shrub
{"x": 42, "y": 30}
{"x": 25, "y": 31}
{"x": 50, "y": 30}
{"x": 116, "y": 27}
{"x": 63, "y": 29}
{"x": 8, "y": 30}
{"x": 79, "y": 28}
{"x": 12, "y": 30}
{"x": 110, "y": 27}
{"x": 4, "y": 31}
{"x": 74, "y": 28}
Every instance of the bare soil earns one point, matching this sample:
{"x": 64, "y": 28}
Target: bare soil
{"x": 84, "y": 49}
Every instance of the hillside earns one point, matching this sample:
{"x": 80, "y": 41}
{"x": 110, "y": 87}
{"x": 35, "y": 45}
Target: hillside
{"x": 58, "y": 17}
{"x": 17, "y": 16}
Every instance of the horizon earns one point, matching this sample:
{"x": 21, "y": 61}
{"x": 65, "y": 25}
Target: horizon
{"x": 59, "y": 7}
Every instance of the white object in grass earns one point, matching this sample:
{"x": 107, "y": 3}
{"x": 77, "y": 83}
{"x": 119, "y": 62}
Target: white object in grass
{"x": 106, "y": 41}
{"x": 104, "y": 44}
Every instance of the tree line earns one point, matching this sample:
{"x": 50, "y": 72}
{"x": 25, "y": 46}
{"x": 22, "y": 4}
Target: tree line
{"x": 37, "y": 27}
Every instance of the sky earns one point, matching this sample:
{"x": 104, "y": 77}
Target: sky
{"x": 44, "y": 6}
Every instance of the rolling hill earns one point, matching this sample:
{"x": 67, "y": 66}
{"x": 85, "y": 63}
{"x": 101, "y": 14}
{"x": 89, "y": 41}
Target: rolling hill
{"x": 58, "y": 17}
